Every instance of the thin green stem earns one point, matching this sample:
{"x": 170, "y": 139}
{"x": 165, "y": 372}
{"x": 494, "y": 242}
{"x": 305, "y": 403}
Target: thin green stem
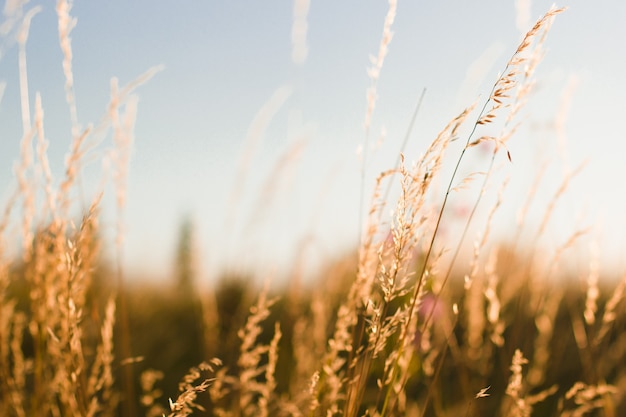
{"x": 420, "y": 282}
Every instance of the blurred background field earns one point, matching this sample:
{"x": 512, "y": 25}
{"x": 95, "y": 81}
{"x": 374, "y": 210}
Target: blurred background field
{"x": 315, "y": 195}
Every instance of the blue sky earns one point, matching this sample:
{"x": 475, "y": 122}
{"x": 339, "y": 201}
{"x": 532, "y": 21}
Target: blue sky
{"x": 223, "y": 61}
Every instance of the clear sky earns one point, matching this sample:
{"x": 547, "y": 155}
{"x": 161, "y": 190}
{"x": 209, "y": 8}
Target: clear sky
{"x": 225, "y": 61}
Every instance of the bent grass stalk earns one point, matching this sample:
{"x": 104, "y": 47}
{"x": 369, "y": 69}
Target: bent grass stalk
{"x": 498, "y": 93}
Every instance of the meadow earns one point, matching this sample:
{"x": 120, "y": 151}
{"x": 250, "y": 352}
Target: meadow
{"x": 405, "y": 324}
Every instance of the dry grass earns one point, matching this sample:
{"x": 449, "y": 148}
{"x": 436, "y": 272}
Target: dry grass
{"x": 404, "y": 327}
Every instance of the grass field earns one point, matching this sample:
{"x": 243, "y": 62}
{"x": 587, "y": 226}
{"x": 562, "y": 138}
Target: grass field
{"x": 405, "y": 324}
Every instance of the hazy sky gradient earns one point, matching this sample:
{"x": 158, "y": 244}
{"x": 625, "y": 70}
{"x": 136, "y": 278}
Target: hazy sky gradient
{"x": 223, "y": 61}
